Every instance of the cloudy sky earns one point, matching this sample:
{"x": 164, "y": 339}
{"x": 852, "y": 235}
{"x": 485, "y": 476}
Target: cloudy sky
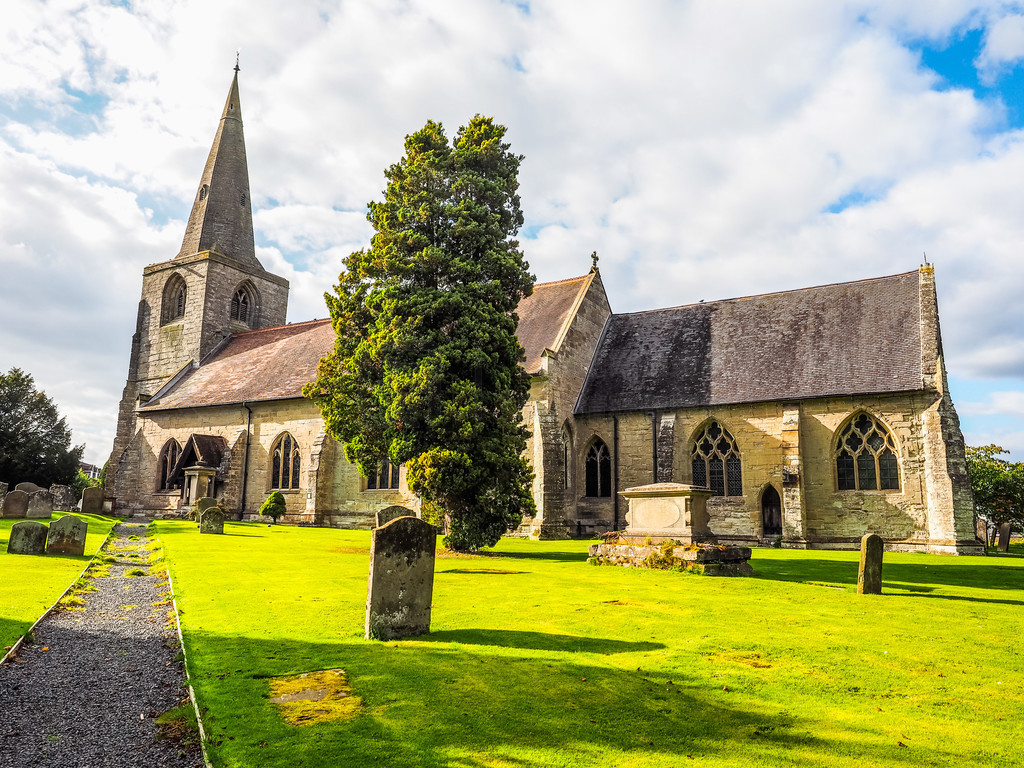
{"x": 705, "y": 149}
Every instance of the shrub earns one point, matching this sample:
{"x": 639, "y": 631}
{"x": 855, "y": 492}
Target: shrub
{"x": 274, "y": 506}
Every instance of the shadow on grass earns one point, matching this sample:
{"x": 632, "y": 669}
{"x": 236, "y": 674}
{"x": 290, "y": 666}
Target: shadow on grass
{"x": 425, "y": 706}
{"x": 536, "y": 641}
{"x": 555, "y": 557}
{"x": 10, "y": 631}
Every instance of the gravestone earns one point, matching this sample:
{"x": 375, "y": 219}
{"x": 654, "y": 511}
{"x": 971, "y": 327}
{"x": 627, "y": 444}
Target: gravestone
{"x": 27, "y": 487}
{"x": 401, "y": 584}
{"x": 212, "y": 520}
{"x": 40, "y": 505}
{"x": 201, "y": 505}
{"x": 3, "y": 492}
{"x": 386, "y": 515}
{"x": 28, "y": 537}
{"x": 15, "y": 504}
{"x": 92, "y": 501}
{"x": 869, "y": 577}
{"x": 67, "y": 536}
{"x": 63, "y": 498}
{"x": 1004, "y": 537}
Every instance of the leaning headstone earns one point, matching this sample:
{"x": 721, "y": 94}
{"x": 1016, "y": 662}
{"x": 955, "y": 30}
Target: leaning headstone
{"x": 28, "y": 537}
{"x": 212, "y": 520}
{"x": 401, "y": 584}
{"x": 386, "y": 515}
{"x": 27, "y": 487}
{"x": 92, "y": 501}
{"x": 1004, "y": 537}
{"x": 63, "y": 498}
{"x": 67, "y": 536}
{"x": 40, "y": 505}
{"x": 15, "y": 504}
{"x": 869, "y": 578}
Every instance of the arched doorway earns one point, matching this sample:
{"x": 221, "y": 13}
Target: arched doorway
{"x": 771, "y": 513}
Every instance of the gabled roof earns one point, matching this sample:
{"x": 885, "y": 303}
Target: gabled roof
{"x": 861, "y": 337}
{"x": 544, "y": 315}
{"x": 200, "y": 450}
{"x": 269, "y": 364}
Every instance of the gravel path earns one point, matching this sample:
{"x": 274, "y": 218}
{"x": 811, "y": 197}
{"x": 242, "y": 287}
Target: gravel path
{"x": 87, "y": 692}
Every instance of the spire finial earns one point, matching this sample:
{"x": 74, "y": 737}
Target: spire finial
{"x": 238, "y": 54}
{"x": 925, "y": 256}
{"x": 593, "y": 260}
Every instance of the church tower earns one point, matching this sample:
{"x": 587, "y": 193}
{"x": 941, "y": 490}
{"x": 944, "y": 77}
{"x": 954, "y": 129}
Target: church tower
{"x": 213, "y": 287}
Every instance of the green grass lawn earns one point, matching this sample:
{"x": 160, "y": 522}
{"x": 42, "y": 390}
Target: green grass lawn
{"x": 29, "y": 584}
{"x": 537, "y": 658}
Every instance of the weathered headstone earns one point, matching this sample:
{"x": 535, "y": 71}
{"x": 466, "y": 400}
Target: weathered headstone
{"x": 67, "y": 536}
{"x": 869, "y": 577}
{"x": 3, "y": 492}
{"x": 201, "y": 505}
{"x": 212, "y": 520}
{"x": 401, "y": 584}
{"x": 27, "y": 487}
{"x": 40, "y": 505}
{"x": 386, "y": 515}
{"x": 63, "y": 498}
{"x": 1004, "y": 537}
{"x": 28, "y": 537}
{"x": 15, "y": 504}
{"x": 92, "y": 501}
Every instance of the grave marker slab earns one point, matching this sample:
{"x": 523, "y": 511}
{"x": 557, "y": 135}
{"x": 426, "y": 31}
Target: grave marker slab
{"x": 1004, "y": 537}
{"x": 3, "y": 492}
{"x": 28, "y": 537}
{"x": 869, "y": 577}
{"x": 212, "y": 520}
{"x": 15, "y": 505}
{"x": 67, "y": 536}
{"x": 386, "y": 515}
{"x": 92, "y": 501}
{"x": 63, "y": 498}
{"x": 40, "y": 505}
{"x": 27, "y": 487}
{"x": 401, "y": 586}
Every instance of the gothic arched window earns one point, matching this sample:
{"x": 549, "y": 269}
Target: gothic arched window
{"x": 566, "y": 459}
{"x": 285, "y": 464}
{"x": 716, "y": 461}
{"x": 173, "y": 304}
{"x": 385, "y": 479}
{"x": 866, "y": 456}
{"x": 599, "y": 470}
{"x": 165, "y": 466}
{"x": 241, "y": 305}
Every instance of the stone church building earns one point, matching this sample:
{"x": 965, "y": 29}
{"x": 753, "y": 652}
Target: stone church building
{"x": 814, "y": 415}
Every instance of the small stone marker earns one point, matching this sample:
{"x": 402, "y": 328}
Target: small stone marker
{"x": 212, "y": 520}
{"x": 869, "y": 578}
{"x": 386, "y": 515}
{"x": 28, "y": 537}
{"x": 27, "y": 487}
{"x": 203, "y": 504}
{"x": 63, "y": 498}
{"x": 40, "y": 505}
{"x": 401, "y": 586}
{"x": 67, "y": 536}
{"x": 15, "y": 504}
{"x": 3, "y": 492}
{"x": 1004, "y": 537}
{"x": 92, "y": 501}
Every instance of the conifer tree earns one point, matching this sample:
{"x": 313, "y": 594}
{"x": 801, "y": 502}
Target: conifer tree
{"x": 426, "y": 368}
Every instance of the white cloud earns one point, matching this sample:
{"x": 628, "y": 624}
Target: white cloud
{"x": 1004, "y": 44}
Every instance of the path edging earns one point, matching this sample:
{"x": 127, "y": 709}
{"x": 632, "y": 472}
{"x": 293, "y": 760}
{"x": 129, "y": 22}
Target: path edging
{"x": 20, "y": 641}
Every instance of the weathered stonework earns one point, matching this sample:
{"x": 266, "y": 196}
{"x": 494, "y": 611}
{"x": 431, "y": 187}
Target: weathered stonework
{"x": 708, "y": 559}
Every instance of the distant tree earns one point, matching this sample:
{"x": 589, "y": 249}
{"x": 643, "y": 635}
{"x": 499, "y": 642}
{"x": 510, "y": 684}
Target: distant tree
{"x": 998, "y": 484}
{"x": 81, "y": 482}
{"x": 426, "y": 369}
{"x": 35, "y": 441}
{"x": 274, "y": 506}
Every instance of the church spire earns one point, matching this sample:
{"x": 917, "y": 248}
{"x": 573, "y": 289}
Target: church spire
{"x": 221, "y": 218}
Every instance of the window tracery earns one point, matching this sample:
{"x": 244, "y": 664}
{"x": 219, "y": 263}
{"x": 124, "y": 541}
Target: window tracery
{"x": 165, "y": 467}
{"x": 599, "y": 470}
{"x": 866, "y": 456}
{"x": 385, "y": 479}
{"x": 716, "y": 461}
{"x": 285, "y": 464}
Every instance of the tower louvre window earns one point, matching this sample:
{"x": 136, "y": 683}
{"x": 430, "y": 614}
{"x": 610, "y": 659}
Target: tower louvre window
{"x": 716, "y": 461}
{"x": 242, "y": 305}
{"x": 175, "y": 297}
{"x": 866, "y": 457}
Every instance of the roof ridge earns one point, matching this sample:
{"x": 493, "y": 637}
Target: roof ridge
{"x": 320, "y": 320}
{"x": 564, "y": 280}
{"x": 768, "y": 293}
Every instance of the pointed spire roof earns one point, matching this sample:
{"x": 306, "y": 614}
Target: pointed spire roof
{"x": 221, "y": 218}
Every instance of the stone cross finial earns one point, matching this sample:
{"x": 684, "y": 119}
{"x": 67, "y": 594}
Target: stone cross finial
{"x": 593, "y": 260}
{"x": 238, "y": 54}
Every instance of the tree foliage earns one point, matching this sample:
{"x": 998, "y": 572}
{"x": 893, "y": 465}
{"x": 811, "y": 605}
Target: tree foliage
{"x": 426, "y": 369}
{"x": 35, "y": 440}
{"x": 274, "y": 506}
{"x": 998, "y": 484}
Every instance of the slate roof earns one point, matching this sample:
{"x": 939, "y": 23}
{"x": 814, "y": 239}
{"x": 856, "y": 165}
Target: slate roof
{"x": 202, "y": 450}
{"x": 544, "y": 313}
{"x": 268, "y": 364}
{"x": 275, "y": 363}
{"x": 843, "y": 339}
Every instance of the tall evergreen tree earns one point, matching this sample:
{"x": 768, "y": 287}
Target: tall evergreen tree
{"x": 426, "y": 368}
{"x": 35, "y": 441}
